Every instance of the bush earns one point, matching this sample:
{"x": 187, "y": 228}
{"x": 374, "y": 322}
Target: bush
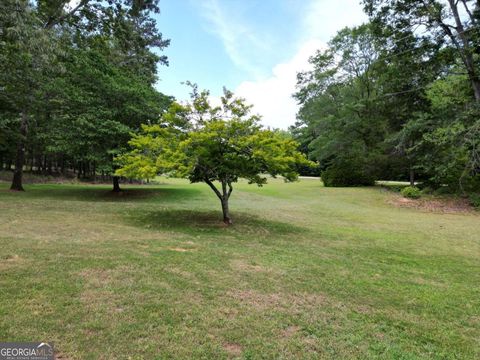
{"x": 309, "y": 170}
{"x": 395, "y": 188}
{"x": 475, "y": 200}
{"x": 346, "y": 176}
{"x": 427, "y": 190}
{"x": 411, "y": 192}
{"x": 444, "y": 190}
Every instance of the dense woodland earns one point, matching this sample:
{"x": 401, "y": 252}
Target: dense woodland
{"x": 75, "y": 82}
{"x": 397, "y": 98}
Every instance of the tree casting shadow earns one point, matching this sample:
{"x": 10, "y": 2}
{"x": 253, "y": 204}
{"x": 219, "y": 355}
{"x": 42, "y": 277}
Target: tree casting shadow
{"x": 195, "y": 221}
{"x": 105, "y": 194}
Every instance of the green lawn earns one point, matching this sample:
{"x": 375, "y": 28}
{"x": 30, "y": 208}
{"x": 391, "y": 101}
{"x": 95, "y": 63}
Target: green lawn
{"x": 305, "y": 272}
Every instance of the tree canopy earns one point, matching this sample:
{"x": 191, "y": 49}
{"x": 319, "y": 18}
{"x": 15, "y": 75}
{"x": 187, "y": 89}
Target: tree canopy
{"x": 396, "y": 98}
{"x": 75, "y": 82}
{"x": 212, "y": 144}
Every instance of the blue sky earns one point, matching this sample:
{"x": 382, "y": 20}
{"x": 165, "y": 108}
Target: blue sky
{"x": 253, "y": 47}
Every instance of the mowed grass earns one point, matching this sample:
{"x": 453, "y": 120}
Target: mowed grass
{"x": 305, "y": 272}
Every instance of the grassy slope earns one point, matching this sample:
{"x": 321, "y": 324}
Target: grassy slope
{"x": 306, "y": 271}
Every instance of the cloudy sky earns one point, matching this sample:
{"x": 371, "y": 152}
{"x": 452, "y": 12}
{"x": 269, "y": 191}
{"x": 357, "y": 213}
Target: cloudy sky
{"x": 253, "y": 47}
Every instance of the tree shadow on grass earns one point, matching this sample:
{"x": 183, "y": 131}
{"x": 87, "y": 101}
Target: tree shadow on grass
{"x": 210, "y": 222}
{"x": 104, "y": 193}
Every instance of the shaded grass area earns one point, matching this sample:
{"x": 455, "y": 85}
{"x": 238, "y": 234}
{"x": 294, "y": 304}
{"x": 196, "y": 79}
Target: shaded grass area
{"x": 305, "y": 272}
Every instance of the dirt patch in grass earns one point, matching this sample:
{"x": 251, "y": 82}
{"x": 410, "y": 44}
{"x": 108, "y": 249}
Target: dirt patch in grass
{"x": 96, "y": 294}
{"x": 177, "y": 249}
{"x": 180, "y": 272}
{"x": 97, "y": 300}
{"x": 258, "y": 300}
{"x": 363, "y": 309}
{"x": 101, "y": 288}
{"x": 439, "y": 205}
{"x": 61, "y": 356}
{"x": 233, "y": 349}
{"x": 244, "y": 266}
{"x": 290, "y": 331}
{"x": 428, "y": 282}
{"x": 120, "y": 276}
{"x": 96, "y": 277}
{"x": 277, "y": 301}
{"x": 473, "y": 320}
{"x": 11, "y": 260}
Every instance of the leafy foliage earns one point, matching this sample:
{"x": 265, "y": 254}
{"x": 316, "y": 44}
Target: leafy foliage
{"x": 396, "y": 98}
{"x": 81, "y": 76}
{"x": 475, "y": 200}
{"x": 411, "y": 192}
{"x": 346, "y": 173}
{"x": 207, "y": 143}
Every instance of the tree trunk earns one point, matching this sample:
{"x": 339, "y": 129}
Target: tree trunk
{"x": 38, "y": 162}
{"x": 44, "y": 166}
{"x": 20, "y": 158}
{"x": 465, "y": 49}
{"x": 223, "y": 196}
{"x": 62, "y": 169}
{"x": 49, "y": 167}
{"x": 226, "y": 213}
{"x": 116, "y": 184}
{"x": 32, "y": 162}
{"x": 412, "y": 177}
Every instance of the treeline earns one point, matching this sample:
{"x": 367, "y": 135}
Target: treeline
{"x": 397, "y": 98}
{"x": 76, "y": 79}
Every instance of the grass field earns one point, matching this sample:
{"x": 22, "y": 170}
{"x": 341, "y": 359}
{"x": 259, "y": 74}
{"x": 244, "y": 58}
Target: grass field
{"x": 305, "y": 272}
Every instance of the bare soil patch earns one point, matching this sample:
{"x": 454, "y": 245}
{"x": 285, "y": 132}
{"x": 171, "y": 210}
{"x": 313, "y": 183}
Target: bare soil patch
{"x": 233, "y": 349}
{"x": 440, "y": 205}
{"x": 177, "y": 249}
{"x": 277, "y": 301}
{"x": 290, "y": 331}
{"x": 10, "y": 260}
{"x": 242, "y": 265}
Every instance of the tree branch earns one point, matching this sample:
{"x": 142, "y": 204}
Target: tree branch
{"x": 52, "y": 21}
{"x": 212, "y": 186}
{"x": 472, "y": 18}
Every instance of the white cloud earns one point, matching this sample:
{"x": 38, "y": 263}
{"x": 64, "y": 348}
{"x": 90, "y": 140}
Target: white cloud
{"x": 323, "y": 18}
{"x": 238, "y": 39}
{"x": 272, "y": 97}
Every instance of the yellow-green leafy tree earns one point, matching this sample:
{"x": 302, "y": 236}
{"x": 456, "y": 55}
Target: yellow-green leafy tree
{"x": 216, "y": 145}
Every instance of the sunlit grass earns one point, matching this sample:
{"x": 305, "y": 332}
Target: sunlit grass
{"x": 305, "y": 272}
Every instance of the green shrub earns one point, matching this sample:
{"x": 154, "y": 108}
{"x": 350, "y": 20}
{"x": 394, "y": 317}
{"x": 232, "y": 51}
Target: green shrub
{"x": 411, "y": 192}
{"x": 475, "y": 200}
{"x": 395, "y": 188}
{"x": 427, "y": 190}
{"x": 346, "y": 176}
{"x": 443, "y": 190}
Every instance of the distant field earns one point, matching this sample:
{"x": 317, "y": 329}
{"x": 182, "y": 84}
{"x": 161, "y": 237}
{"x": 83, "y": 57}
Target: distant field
{"x": 305, "y": 272}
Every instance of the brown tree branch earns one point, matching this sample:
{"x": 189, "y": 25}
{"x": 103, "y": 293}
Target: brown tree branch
{"x": 212, "y": 186}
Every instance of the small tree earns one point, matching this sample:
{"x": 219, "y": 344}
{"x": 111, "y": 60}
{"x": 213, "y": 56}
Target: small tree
{"x": 213, "y": 144}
